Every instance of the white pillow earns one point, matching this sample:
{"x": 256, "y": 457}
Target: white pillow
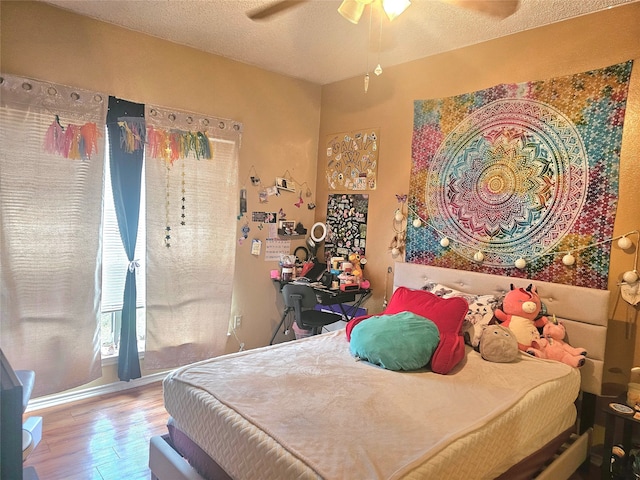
{"x": 480, "y": 312}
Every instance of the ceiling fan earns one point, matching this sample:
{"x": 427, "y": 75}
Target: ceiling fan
{"x": 352, "y": 9}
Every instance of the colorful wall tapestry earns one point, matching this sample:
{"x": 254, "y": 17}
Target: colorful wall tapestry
{"x": 520, "y": 173}
{"x": 346, "y": 225}
{"x": 352, "y": 160}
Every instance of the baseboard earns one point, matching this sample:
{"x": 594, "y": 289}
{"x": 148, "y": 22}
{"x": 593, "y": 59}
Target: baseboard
{"x": 75, "y": 395}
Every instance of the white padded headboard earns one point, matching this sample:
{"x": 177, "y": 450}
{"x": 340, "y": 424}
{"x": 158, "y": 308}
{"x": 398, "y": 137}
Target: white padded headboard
{"x": 584, "y": 311}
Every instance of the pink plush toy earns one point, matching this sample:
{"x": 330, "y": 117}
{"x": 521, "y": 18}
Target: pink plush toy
{"x": 519, "y": 314}
{"x": 553, "y": 346}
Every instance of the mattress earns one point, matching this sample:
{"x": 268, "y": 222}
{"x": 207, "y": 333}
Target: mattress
{"x": 307, "y": 410}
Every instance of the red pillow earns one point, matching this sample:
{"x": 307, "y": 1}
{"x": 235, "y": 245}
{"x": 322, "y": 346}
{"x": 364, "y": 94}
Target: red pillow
{"x": 447, "y": 313}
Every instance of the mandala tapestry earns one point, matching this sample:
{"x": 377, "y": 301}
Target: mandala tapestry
{"x": 521, "y": 171}
{"x": 352, "y": 160}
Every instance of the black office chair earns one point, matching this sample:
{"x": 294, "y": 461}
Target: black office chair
{"x": 302, "y": 300}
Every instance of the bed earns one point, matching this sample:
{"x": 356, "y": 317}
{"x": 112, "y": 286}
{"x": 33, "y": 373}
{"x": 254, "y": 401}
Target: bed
{"x": 308, "y": 410}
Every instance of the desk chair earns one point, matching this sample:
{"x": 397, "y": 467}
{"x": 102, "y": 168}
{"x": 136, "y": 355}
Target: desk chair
{"x": 302, "y": 300}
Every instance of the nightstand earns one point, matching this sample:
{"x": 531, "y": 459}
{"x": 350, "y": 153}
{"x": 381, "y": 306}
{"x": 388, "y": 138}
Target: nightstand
{"x": 617, "y": 413}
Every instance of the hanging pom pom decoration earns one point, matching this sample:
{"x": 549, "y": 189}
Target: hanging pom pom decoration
{"x": 155, "y": 142}
{"x": 568, "y": 259}
{"x": 76, "y": 142}
{"x": 417, "y": 223}
{"x": 624, "y": 243}
{"x": 54, "y": 138}
{"x": 478, "y": 256}
{"x": 520, "y": 263}
{"x": 89, "y": 134}
{"x": 203, "y": 146}
{"x": 444, "y": 242}
{"x": 132, "y": 134}
{"x": 398, "y": 216}
{"x": 630, "y": 277}
{"x": 71, "y": 142}
{"x": 175, "y": 144}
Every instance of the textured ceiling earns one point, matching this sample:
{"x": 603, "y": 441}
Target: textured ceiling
{"x": 313, "y": 42}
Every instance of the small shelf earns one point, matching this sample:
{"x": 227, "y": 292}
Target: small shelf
{"x": 290, "y": 237}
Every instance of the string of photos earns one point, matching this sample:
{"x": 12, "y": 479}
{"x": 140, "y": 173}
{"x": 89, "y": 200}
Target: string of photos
{"x": 285, "y": 226}
{"x": 285, "y": 183}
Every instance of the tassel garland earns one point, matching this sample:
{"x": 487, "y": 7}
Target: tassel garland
{"x": 77, "y": 142}
{"x": 81, "y": 141}
{"x": 132, "y": 134}
{"x": 175, "y": 144}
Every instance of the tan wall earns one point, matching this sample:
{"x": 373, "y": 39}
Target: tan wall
{"x": 281, "y": 117}
{"x": 578, "y": 45}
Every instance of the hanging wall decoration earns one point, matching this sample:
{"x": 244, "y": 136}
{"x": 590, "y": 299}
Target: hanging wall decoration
{"x": 77, "y": 142}
{"x": 173, "y": 144}
{"x": 506, "y": 180}
{"x": 176, "y": 136}
{"x": 352, "y": 160}
{"x": 346, "y": 225}
{"x": 396, "y": 247}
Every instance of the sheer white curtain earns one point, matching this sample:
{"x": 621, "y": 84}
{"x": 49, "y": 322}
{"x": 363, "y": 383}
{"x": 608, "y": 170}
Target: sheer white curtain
{"x": 50, "y": 221}
{"x": 191, "y": 212}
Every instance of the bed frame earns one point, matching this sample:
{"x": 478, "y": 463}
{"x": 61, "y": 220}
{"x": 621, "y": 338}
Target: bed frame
{"x": 584, "y": 312}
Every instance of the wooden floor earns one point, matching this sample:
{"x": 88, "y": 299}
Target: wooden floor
{"x": 102, "y": 438}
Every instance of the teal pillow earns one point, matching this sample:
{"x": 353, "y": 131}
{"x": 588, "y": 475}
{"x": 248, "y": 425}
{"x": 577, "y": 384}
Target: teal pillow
{"x": 402, "y": 341}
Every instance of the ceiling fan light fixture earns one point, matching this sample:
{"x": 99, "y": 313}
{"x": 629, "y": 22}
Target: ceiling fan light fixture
{"x": 394, "y": 8}
{"x": 351, "y": 10}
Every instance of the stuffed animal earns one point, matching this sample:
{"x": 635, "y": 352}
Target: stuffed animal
{"x": 354, "y": 258}
{"x": 552, "y": 346}
{"x": 498, "y": 344}
{"x": 519, "y": 313}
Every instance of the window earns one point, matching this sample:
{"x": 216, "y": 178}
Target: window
{"x": 114, "y": 267}
{"x": 62, "y": 263}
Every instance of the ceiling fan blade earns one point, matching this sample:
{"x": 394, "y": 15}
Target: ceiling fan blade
{"x": 495, "y": 8}
{"x": 277, "y": 7}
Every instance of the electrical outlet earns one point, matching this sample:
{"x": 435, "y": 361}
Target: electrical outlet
{"x": 237, "y": 321}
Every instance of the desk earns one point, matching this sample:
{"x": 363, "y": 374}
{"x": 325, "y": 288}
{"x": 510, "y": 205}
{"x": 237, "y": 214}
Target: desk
{"x": 326, "y": 296}
{"x": 612, "y": 417}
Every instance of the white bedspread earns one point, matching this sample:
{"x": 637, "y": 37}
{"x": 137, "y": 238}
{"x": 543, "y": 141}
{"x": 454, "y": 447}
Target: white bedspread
{"x": 323, "y": 414}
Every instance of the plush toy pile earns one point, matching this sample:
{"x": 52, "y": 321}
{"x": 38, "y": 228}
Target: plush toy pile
{"x": 552, "y": 346}
{"x": 498, "y": 344}
{"x": 520, "y": 313}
